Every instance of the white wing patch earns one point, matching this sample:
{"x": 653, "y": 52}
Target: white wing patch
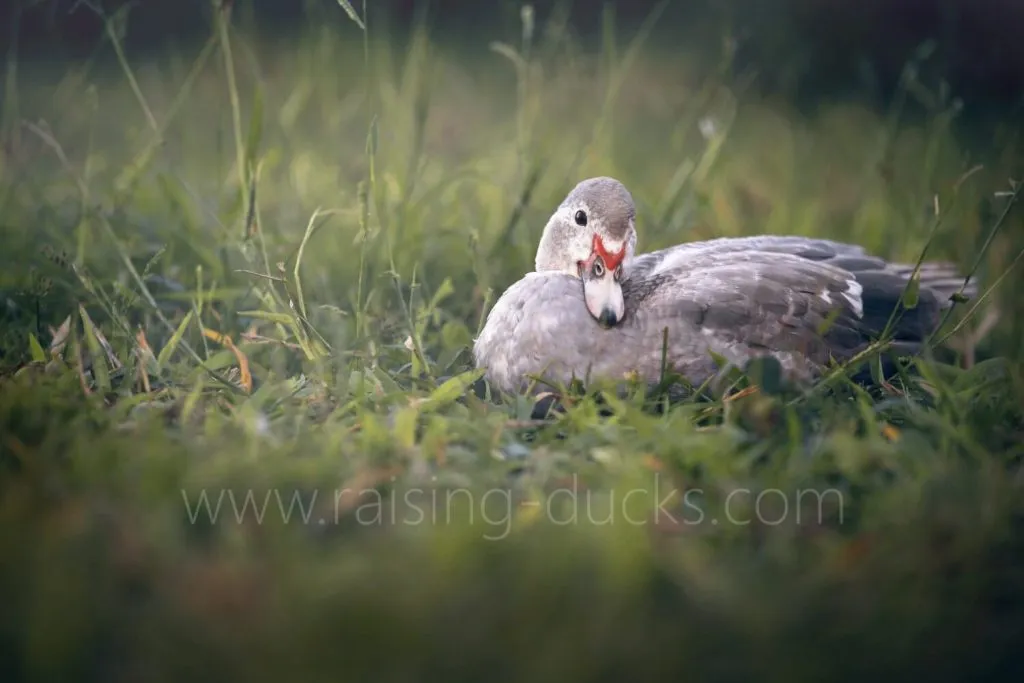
{"x": 853, "y": 293}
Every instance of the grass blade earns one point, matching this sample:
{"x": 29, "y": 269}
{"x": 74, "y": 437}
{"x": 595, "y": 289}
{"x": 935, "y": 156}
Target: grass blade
{"x": 351, "y": 12}
{"x": 99, "y": 359}
{"x": 174, "y": 341}
{"x": 36, "y": 349}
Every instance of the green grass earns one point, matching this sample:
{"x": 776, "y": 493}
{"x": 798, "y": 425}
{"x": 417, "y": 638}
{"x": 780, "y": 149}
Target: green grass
{"x": 344, "y": 207}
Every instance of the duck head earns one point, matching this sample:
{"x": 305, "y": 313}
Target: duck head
{"x": 592, "y": 236}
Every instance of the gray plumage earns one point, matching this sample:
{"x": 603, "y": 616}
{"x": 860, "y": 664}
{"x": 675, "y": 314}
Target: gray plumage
{"x": 803, "y": 301}
{"x": 607, "y": 200}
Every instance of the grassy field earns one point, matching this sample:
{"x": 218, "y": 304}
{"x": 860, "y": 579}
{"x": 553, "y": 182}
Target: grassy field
{"x": 240, "y": 283}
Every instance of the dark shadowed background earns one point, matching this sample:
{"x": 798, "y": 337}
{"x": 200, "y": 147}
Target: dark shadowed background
{"x": 811, "y": 48}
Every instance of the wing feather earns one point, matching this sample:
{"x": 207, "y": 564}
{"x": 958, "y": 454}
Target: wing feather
{"x": 776, "y": 301}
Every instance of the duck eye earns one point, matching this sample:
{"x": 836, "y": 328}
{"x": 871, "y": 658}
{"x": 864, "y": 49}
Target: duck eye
{"x": 598, "y": 269}
{"x": 618, "y": 273}
{"x": 581, "y": 218}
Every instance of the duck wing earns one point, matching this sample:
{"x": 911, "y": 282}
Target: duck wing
{"x": 942, "y": 277}
{"x": 786, "y": 298}
{"x": 839, "y": 254}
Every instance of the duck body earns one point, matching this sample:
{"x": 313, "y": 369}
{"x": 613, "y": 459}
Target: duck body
{"x": 803, "y": 301}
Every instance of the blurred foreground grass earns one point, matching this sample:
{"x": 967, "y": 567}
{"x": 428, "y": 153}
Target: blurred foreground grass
{"x": 236, "y": 279}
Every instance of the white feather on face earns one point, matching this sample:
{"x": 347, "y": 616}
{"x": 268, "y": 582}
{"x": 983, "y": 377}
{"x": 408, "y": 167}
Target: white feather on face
{"x": 563, "y": 243}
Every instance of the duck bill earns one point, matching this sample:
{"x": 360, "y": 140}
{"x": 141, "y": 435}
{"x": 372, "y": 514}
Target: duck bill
{"x": 604, "y": 299}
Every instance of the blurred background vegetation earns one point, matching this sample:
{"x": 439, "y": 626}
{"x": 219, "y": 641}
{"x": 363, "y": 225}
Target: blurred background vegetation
{"x": 814, "y": 48}
{"x": 244, "y": 246}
